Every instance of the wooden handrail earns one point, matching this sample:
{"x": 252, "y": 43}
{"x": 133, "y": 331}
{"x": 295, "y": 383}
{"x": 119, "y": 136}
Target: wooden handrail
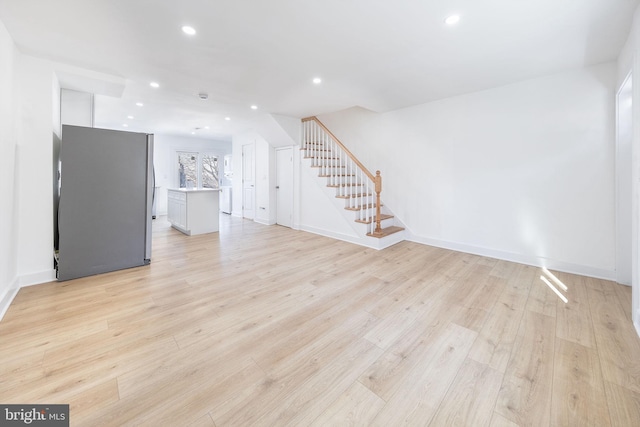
{"x": 355, "y": 160}
{"x": 377, "y": 179}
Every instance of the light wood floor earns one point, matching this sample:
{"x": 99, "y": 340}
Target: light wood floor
{"x": 260, "y": 325}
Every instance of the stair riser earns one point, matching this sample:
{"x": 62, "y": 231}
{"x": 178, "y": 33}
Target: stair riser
{"x": 322, "y": 163}
{"x": 366, "y": 213}
{"x": 339, "y": 180}
{"x": 346, "y": 194}
{"x": 330, "y": 170}
{"x": 322, "y": 157}
{"x": 359, "y": 203}
{"x": 384, "y": 223}
{"x": 350, "y": 187}
{"x": 325, "y": 162}
{"x": 318, "y": 152}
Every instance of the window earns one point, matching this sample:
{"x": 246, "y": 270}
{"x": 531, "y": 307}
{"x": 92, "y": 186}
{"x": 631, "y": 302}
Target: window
{"x": 197, "y": 170}
{"x": 209, "y": 171}
{"x": 187, "y": 168}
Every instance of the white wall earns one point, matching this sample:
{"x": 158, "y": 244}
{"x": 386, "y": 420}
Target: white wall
{"x": 236, "y": 195}
{"x": 166, "y": 166}
{"x": 624, "y": 190}
{"x": 77, "y": 108}
{"x": 8, "y": 213}
{"x": 29, "y": 141}
{"x": 522, "y": 172}
{"x": 624, "y": 181}
{"x": 35, "y": 134}
{"x": 264, "y": 154}
{"x": 629, "y": 62}
{"x": 271, "y": 131}
{"x": 320, "y": 211}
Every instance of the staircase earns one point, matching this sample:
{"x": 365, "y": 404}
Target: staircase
{"x": 352, "y": 182}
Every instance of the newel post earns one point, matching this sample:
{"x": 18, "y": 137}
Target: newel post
{"x": 378, "y": 184}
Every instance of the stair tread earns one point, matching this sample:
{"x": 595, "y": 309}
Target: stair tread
{"x": 350, "y": 196}
{"x": 360, "y": 207}
{"x": 371, "y": 219}
{"x": 386, "y": 232}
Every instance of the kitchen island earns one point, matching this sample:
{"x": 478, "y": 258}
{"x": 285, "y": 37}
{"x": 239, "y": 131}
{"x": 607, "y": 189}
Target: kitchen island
{"x": 193, "y": 211}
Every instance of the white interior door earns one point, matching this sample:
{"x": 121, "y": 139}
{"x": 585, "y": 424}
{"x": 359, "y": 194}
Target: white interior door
{"x": 248, "y": 182}
{"x": 284, "y": 186}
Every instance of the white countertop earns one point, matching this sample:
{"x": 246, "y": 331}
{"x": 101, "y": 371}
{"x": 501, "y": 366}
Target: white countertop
{"x": 193, "y": 190}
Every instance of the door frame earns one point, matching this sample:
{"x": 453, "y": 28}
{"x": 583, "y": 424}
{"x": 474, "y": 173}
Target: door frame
{"x": 635, "y": 188}
{"x": 290, "y": 172}
{"x": 253, "y": 167}
{"x": 625, "y": 192}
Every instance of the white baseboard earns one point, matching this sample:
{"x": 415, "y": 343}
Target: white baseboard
{"x": 21, "y": 282}
{"x": 8, "y": 297}
{"x": 265, "y": 222}
{"x": 37, "y": 278}
{"x": 338, "y": 236}
{"x": 536, "y": 261}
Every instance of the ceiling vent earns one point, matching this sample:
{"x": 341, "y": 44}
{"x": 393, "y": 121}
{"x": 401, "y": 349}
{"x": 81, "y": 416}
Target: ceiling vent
{"x": 203, "y": 96}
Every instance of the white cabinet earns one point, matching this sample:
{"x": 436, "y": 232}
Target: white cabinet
{"x": 228, "y": 166}
{"x": 193, "y": 211}
{"x": 177, "y": 208}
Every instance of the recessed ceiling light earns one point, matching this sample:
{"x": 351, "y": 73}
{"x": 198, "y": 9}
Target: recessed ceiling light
{"x": 227, "y": 118}
{"x": 189, "y": 30}
{"x": 317, "y": 81}
{"x": 154, "y": 85}
{"x": 453, "y": 19}
{"x": 139, "y": 104}
{"x": 206, "y": 127}
{"x": 254, "y": 107}
{"x": 125, "y": 125}
{"x": 193, "y": 132}
{"x": 130, "y": 117}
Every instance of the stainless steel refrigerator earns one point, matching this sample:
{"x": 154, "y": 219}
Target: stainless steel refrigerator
{"x": 106, "y": 195}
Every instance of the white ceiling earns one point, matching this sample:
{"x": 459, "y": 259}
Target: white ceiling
{"x": 376, "y": 54}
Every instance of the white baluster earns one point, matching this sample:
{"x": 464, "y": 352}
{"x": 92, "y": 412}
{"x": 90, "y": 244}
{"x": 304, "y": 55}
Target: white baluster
{"x": 334, "y": 152}
{"x": 325, "y": 147}
{"x": 321, "y": 151}
{"x": 315, "y": 146}
{"x": 349, "y": 180}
